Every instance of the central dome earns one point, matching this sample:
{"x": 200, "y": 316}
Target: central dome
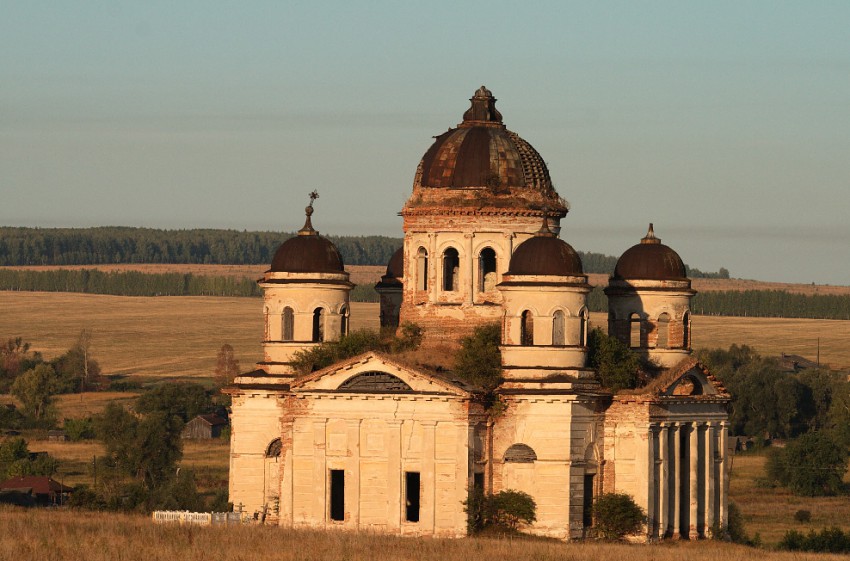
{"x": 481, "y": 153}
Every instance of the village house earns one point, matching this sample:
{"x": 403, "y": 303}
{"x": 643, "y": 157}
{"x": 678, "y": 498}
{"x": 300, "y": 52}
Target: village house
{"x": 372, "y": 443}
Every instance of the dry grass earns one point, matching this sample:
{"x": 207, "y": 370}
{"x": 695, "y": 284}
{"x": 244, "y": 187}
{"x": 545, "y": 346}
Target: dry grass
{"x": 770, "y": 512}
{"x": 146, "y": 338}
{"x": 39, "y": 534}
{"x": 80, "y": 405}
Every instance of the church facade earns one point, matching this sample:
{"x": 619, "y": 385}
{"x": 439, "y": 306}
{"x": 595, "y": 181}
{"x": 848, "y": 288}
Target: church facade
{"x": 377, "y": 444}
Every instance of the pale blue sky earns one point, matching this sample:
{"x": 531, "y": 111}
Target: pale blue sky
{"x": 727, "y": 124}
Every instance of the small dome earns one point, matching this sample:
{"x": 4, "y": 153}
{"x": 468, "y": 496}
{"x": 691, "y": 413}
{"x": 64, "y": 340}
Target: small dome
{"x": 395, "y": 268}
{"x": 395, "y": 271}
{"x": 308, "y": 252}
{"x": 544, "y": 254}
{"x": 481, "y": 152}
{"x": 650, "y": 260}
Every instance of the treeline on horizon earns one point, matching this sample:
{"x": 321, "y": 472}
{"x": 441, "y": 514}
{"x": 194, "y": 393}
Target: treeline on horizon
{"x": 753, "y": 303}
{"x": 114, "y": 245}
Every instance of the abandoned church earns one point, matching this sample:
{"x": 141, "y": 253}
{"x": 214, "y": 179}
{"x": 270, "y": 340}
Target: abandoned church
{"x": 377, "y": 443}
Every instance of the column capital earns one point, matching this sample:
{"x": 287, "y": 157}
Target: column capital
{"x": 469, "y": 235}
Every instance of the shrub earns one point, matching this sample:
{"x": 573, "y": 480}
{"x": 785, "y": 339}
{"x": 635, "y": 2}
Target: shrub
{"x": 618, "y": 367}
{"x": 505, "y": 510}
{"x": 617, "y": 515}
{"x": 828, "y": 540}
{"x": 803, "y": 516}
{"x": 79, "y": 429}
{"x": 479, "y": 361}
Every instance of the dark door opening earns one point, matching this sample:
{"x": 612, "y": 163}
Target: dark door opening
{"x": 337, "y": 494}
{"x": 587, "y": 508}
{"x": 411, "y": 490}
{"x": 478, "y": 482}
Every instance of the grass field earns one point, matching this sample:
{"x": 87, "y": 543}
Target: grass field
{"x": 42, "y": 534}
{"x": 178, "y": 337}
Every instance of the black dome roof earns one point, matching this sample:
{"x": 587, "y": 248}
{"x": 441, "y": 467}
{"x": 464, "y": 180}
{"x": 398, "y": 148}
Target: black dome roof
{"x": 544, "y": 254}
{"x": 308, "y": 252}
{"x": 650, "y": 260}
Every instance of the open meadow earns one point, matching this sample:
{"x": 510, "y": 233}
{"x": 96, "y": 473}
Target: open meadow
{"x": 160, "y": 338}
{"x": 43, "y": 534}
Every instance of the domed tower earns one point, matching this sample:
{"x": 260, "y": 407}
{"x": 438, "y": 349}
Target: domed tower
{"x": 389, "y": 289}
{"x": 479, "y": 191}
{"x": 305, "y": 297}
{"x": 649, "y": 300}
{"x": 546, "y": 317}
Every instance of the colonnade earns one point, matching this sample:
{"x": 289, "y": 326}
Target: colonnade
{"x": 688, "y": 483}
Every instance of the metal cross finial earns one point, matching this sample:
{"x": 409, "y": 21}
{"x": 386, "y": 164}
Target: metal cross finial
{"x": 308, "y": 230}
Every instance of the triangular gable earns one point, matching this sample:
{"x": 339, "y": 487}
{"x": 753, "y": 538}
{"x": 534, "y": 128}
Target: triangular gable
{"x": 373, "y": 372}
{"x": 689, "y": 378}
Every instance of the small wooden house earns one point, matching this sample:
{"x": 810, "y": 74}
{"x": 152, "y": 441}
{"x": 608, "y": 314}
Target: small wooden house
{"x": 204, "y": 427}
{"x": 43, "y": 490}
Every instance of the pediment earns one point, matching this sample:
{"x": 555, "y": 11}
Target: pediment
{"x": 374, "y": 373}
{"x": 689, "y": 379}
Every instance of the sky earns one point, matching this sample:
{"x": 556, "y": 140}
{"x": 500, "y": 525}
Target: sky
{"x": 726, "y": 124}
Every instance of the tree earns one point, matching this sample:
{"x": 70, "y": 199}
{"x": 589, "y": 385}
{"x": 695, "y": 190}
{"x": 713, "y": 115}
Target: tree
{"x": 618, "y": 367}
{"x": 76, "y": 370}
{"x": 16, "y": 460}
{"x": 35, "y": 389}
{"x": 146, "y": 449}
{"x": 15, "y": 358}
{"x": 812, "y": 465}
{"x": 226, "y": 366}
{"x": 183, "y": 399}
{"x": 479, "y": 360}
{"x": 617, "y": 515}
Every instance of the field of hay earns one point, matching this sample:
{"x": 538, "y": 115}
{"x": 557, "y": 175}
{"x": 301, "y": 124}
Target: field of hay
{"x": 178, "y": 337}
{"x": 38, "y": 534}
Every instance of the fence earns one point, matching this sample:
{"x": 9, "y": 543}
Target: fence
{"x": 198, "y": 518}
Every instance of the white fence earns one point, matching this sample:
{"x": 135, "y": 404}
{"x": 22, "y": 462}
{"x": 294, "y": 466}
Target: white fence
{"x": 198, "y": 518}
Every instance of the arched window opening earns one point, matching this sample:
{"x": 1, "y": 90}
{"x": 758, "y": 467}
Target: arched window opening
{"x": 343, "y": 320}
{"x": 273, "y": 449}
{"x": 527, "y": 329}
{"x": 688, "y": 385}
{"x": 662, "y": 339}
{"x": 287, "y": 324}
{"x": 520, "y": 454}
{"x": 318, "y": 325}
{"x": 634, "y": 332}
{"x": 421, "y": 269}
{"x": 451, "y": 270}
{"x": 686, "y": 330}
{"x": 583, "y": 327}
{"x": 487, "y": 270}
{"x": 558, "y": 328}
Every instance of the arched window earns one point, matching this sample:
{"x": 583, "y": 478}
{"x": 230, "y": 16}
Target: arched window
{"x": 520, "y": 454}
{"x": 558, "y": 326}
{"x": 343, "y": 320}
{"x": 582, "y": 328}
{"x": 486, "y": 270}
{"x": 318, "y": 325}
{"x": 287, "y": 324}
{"x": 634, "y": 330}
{"x": 686, "y": 330}
{"x": 451, "y": 266}
{"x": 273, "y": 449}
{"x": 421, "y": 269}
{"x": 526, "y": 329}
{"x": 662, "y": 338}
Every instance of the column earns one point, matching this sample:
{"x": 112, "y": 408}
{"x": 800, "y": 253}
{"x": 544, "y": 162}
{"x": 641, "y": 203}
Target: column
{"x": 651, "y": 515}
{"x": 693, "y": 496}
{"x": 709, "y": 479}
{"x": 435, "y": 264}
{"x": 394, "y": 474}
{"x": 428, "y": 500}
{"x": 723, "y": 483}
{"x": 353, "y": 464}
{"x": 470, "y": 267}
{"x": 664, "y": 481}
{"x": 677, "y": 480}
